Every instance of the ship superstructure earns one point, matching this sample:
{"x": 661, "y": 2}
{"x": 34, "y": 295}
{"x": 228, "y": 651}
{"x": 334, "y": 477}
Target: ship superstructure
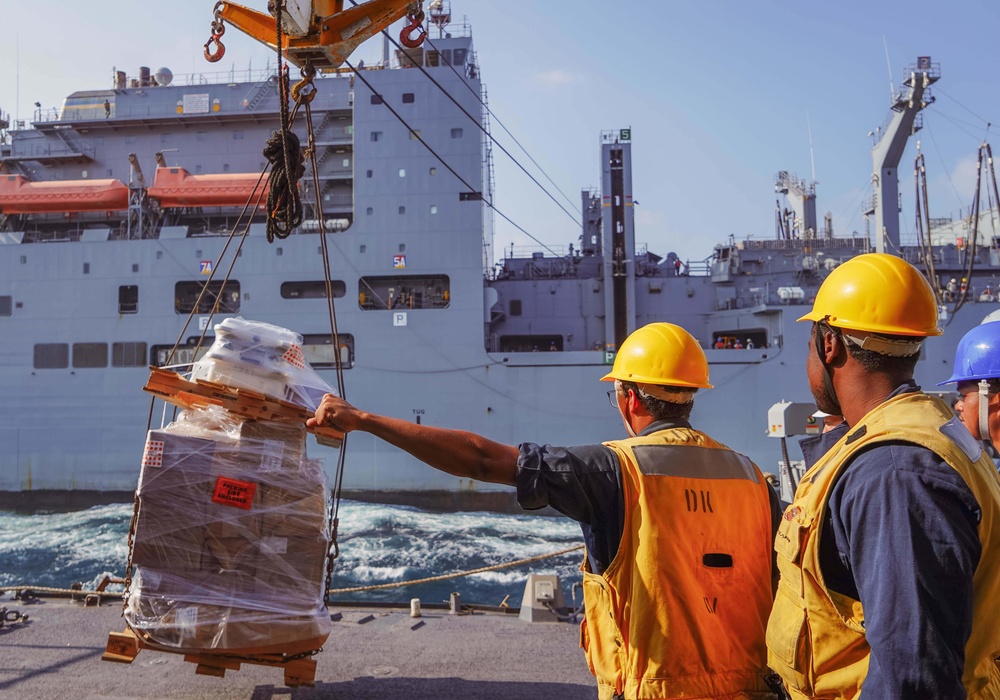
{"x": 114, "y": 212}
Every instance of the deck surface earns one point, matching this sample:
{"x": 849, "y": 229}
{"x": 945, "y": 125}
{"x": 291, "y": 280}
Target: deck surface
{"x": 57, "y": 654}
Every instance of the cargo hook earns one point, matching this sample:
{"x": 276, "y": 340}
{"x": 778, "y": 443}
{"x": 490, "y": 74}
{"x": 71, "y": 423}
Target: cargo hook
{"x": 218, "y": 29}
{"x": 416, "y": 17}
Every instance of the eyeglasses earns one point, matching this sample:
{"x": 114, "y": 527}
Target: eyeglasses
{"x": 613, "y": 398}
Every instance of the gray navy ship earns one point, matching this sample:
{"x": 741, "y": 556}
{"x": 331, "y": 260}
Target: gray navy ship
{"x": 115, "y": 211}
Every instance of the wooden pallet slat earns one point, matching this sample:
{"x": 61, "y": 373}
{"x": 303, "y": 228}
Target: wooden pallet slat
{"x": 175, "y": 389}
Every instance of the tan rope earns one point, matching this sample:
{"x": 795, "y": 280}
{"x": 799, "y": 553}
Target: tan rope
{"x": 458, "y": 574}
{"x": 399, "y": 584}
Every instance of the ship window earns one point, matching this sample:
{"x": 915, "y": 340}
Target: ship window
{"x": 376, "y": 99}
{"x": 369, "y": 211}
{"x": 279, "y": 251}
{"x": 402, "y": 210}
{"x": 5, "y": 306}
{"x": 312, "y": 290}
{"x": 237, "y": 134}
{"x": 159, "y": 255}
{"x": 110, "y": 172}
{"x": 128, "y": 298}
{"x": 402, "y": 172}
{"x": 83, "y": 174}
{"x": 470, "y": 196}
{"x": 434, "y": 209}
{"x": 530, "y": 343}
{"x": 740, "y": 338}
{"x": 368, "y": 173}
{"x": 408, "y": 98}
{"x": 135, "y": 267}
{"x": 456, "y": 133}
{"x": 432, "y": 171}
{"x": 363, "y": 248}
{"x": 347, "y": 162}
{"x": 515, "y": 307}
{"x": 197, "y": 168}
{"x": 186, "y": 297}
{"x": 402, "y": 247}
{"x": 51, "y": 356}
{"x": 415, "y": 134}
{"x": 404, "y": 292}
{"x": 159, "y": 355}
{"x": 376, "y": 136}
{"x": 90, "y": 354}
{"x": 128, "y": 354}
{"x": 319, "y": 352}
{"x": 458, "y": 57}
{"x": 225, "y": 167}
{"x": 129, "y": 139}
{"x": 201, "y": 136}
{"x": 86, "y": 268}
{"x": 446, "y": 55}
{"x": 24, "y": 259}
{"x": 165, "y": 138}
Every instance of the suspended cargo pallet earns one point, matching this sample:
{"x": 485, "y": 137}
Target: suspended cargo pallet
{"x": 296, "y": 659}
{"x": 175, "y": 389}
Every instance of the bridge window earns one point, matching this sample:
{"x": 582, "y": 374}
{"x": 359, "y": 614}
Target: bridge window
{"x": 51, "y": 356}
{"x": 404, "y": 292}
{"x": 90, "y": 354}
{"x": 408, "y": 98}
{"x": 515, "y": 307}
{"x": 739, "y": 339}
{"x": 312, "y": 290}
{"x": 5, "y": 306}
{"x": 319, "y": 351}
{"x": 186, "y": 296}
{"x": 128, "y": 354}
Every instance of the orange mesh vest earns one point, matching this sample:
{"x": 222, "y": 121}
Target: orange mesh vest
{"x": 815, "y": 638}
{"x": 682, "y": 610}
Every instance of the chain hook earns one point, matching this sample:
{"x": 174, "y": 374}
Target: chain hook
{"x": 218, "y": 29}
{"x": 308, "y": 72}
{"x": 416, "y": 17}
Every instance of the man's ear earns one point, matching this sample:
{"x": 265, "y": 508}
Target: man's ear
{"x": 833, "y": 348}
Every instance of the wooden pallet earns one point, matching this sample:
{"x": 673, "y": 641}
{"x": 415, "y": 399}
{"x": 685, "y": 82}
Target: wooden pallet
{"x": 123, "y": 647}
{"x": 175, "y": 389}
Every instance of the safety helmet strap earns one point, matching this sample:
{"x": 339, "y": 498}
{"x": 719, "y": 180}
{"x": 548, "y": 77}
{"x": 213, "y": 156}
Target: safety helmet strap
{"x": 984, "y": 400}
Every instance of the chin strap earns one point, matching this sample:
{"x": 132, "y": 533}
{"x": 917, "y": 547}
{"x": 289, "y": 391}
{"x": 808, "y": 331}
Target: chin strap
{"x": 827, "y": 378}
{"x": 984, "y": 408}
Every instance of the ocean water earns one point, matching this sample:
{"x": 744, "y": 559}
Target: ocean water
{"x": 378, "y": 544}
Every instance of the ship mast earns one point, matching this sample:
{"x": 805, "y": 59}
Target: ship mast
{"x": 889, "y": 147}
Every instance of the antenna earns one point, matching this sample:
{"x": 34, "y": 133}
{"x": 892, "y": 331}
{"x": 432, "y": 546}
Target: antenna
{"x": 888, "y": 64}
{"x": 812, "y": 157}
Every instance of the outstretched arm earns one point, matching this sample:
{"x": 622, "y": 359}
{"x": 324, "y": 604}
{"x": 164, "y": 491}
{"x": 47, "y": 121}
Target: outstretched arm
{"x": 457, "y": 452}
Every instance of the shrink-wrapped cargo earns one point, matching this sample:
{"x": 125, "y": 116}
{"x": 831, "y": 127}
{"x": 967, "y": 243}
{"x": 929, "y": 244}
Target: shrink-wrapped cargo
{"x": 231, "y": 538}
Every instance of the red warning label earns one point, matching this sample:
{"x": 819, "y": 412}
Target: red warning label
{"x": 230, "y": 492}
{"x": 152, "y": 456}
{"x": 295, "y": 357}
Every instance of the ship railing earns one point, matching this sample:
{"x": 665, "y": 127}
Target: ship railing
{"x": 855, "y": 242}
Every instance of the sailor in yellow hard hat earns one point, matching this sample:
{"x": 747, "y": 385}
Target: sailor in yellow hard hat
{"x": 678, "y": 528}
{"x": 889, "y": 554}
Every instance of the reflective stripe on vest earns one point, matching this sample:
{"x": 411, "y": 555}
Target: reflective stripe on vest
{"x": 815, "y": 636}
{"x": 682, "y": 609}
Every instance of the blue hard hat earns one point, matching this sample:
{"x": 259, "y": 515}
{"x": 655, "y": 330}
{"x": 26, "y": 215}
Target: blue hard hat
{"x": 977, "y": 355}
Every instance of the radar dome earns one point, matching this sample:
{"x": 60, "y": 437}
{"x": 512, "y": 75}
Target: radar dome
{"x": 163, "y": 76}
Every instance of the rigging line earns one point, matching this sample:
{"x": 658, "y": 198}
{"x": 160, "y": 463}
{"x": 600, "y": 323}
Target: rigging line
{"x": 944, "y": 167}
{"x": 942, "y": 92}
{"x": 956, "y": 120}
{"x": 503, "y": 126}
{"x": 479, "y": 125}
{"x": 490, "y": 136}
{"x": 443, "y": 162}
{"x": 959, "y": 126}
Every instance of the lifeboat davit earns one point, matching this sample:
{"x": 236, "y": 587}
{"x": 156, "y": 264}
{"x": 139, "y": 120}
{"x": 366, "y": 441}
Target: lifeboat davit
{"x": 21, "y": 196}
{"x": 176, "y": 187}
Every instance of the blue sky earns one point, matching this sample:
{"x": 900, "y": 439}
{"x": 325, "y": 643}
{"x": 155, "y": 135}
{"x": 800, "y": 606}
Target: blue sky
{"x": 718, "y": 96}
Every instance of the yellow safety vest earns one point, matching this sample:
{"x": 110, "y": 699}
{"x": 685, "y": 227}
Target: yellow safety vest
{"x": 815, "y": 637}
{"x": 682, "y": 609}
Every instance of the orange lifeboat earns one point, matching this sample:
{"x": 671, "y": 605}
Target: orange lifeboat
{"x": 176, "y": 187}
{"x": 21, "y": 196}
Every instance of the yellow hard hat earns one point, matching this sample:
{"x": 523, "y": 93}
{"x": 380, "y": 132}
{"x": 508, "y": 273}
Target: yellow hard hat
{"x": 877, "y": 293}
{"x": 661, "y": 353}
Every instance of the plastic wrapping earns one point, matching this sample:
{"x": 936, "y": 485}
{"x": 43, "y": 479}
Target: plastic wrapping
{"x": 263, "y": 358}
{"x": 231, "y": 537}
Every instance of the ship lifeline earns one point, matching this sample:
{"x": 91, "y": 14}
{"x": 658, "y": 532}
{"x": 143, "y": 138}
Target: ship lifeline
{"x": 100, "y": 269}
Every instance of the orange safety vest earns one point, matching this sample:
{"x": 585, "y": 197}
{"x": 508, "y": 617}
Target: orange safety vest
{"x": 815, "y": 637}
{"x": 682, "y": 609}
